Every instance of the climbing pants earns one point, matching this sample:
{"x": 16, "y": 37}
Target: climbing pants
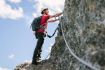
{"x": 38, "y": 48}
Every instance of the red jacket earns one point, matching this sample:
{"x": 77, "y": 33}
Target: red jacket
{"x": 44, "y": 23}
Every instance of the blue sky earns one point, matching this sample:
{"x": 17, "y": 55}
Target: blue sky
{"x": 17, "y": 42}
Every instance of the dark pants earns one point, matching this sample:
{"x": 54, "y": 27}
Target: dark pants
{"x": 38, "y": 49}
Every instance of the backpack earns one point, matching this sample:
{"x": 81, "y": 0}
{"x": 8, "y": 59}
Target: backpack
{"x": 36, "y": 24}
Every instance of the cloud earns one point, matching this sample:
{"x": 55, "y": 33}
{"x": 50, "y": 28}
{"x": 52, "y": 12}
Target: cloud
{"x": 48, "y": 50}
{"x": 28, "y": 21}
{"x": 34, "y": 15}
{"x": 1, "y": 68}
{"x": 7, "y": 12}
{"x": 11, "y": 56}
{"x": 54, "y": 7}
{"x": 15, "y": 1}
{"x": 27, "y": 61}
{"x": 51, "y": 4}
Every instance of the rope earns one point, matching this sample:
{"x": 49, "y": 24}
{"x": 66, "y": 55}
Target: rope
{"x": 53, "y": 33}
{"x": 50, "y": 37}
{"x": 74, "y": 55}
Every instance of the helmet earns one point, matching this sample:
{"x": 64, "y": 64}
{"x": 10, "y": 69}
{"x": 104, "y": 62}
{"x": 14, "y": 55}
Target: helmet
{"x": 43, "y": 9}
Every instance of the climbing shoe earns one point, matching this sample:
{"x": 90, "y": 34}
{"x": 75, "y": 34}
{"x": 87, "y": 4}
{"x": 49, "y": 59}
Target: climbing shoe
{"x": 36, "y": 63}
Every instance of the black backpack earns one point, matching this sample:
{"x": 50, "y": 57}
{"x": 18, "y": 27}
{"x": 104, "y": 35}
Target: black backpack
{"x": 36, "y": 24}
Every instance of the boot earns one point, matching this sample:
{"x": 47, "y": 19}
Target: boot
{"x": 39, "y": 55}
{"x": 35, "y": 62}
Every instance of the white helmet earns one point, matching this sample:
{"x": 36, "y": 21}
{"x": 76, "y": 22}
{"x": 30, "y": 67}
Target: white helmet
{"x": 42, "y": 9}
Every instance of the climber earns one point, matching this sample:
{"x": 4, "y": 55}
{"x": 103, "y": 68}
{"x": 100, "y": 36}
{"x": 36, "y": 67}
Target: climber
{"x": 40, "y": 34}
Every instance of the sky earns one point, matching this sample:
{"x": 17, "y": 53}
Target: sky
{"x": 17, "y": 42}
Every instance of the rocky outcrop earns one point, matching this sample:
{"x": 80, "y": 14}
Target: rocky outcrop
{"x": 83, "y": 26}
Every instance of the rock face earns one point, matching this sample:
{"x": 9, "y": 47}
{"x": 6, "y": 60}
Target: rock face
{"x": 83, "y": 26}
